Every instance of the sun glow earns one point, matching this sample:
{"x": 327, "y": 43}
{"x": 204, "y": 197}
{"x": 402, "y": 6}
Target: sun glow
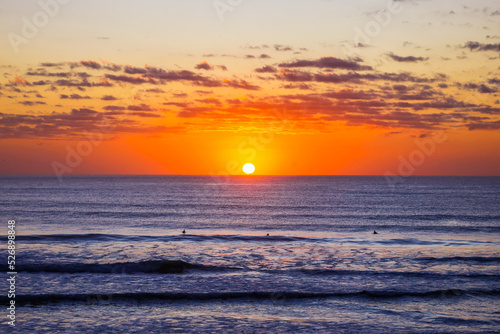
{"x": 248, "y": 168}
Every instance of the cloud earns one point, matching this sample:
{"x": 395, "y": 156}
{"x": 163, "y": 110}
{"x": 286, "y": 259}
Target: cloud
{"x": 91, "y": 64}
{"x": 19, "y": 81}
{"x": 43, "y": 72}
{"x": 75, "y": 124}
{"x": 476, "y": 46}
{"x": 350, "y": 94}
{"x": 204, "y": 66}
{"x": 128, "y": 79}
{"x": 302, "y": 86}
{"x": 48, "y": 64}
{"x": 113, "y": 107}
{"x": 294, "y": 75}
{"x": 495, "y": 125}
{"x": 31, "y": 103}
{"x": 73, "y": 97}
{"x": 155, "y": 90}
{"x": 327, "y": 62}
{"x": 407, "y": 59}
{"x": 82, "y": 83}
{"x": 481, "y": 88}
{"x": 279, "y": 47}
{"x": 141, "y": 107}
{"x": 240, "y": 84}
{"x": 144, "y": 114}
{"x": 485, "y": 89}
{"x": 108, "y": 98}
{"x": 177, "y": 104}
{"x": 264, "y": 56}
{"x": 211, "y": 100}
{"x": 134, "y": 70}
{"x": 266, "y": 69}
{"x": 354, "y": 77}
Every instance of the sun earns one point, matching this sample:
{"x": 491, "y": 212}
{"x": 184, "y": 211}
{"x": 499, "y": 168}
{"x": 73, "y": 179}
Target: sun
{"x": 248, "y": 168}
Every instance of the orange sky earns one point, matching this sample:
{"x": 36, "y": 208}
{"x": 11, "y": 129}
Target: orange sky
{"x": 94, "y": 91}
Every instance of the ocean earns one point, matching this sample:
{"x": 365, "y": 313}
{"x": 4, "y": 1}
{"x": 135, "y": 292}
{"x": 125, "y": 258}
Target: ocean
{"x": 261, "y": 254}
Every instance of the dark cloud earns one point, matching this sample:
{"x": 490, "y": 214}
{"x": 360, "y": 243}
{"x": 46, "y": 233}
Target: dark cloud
{"x": 485, "y": 89}
{"x": 129, "y": 79}
{"x": 350, "y": 95}
{"x": 204, "y": 66}
{"x": 51, "y": 64}
{"x": 112, "y": 67}
{"x": 109, "y": 98}
{"x": 240, "y": 84}
{"x": 112, "y": 107}
{"x": 481, "y": 88}
{"x": 327, "y": 62}
{"x": 266, "y": 69}
{"x": 73, "y": 97}
{"x": 90, "y": 63}
{"x": 354, "y": 77}
{"x": 144, "y": 114}
{"x": 279, "y": 47}
{"x": 40, "y": 83}
{"x": 295, "y": 75}
{"x": 264, "y": 56}
{"x": 31, "y": 103}
{"x": 82, "y": 83}
{"x": 297, "y": 86}
{"x": 407, "y": 59}
{"x": 44, "y": 73}
{"x": 134, "y": 70}
{"x": 256, "y": 47}
{"x": 476, "y": 46}
{"x": 494, "y": 125}
{"x": 141, "y": 107}
{"x": 74, "y": 124}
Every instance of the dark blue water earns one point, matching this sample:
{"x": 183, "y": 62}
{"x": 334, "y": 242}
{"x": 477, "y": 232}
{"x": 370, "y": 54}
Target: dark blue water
{"x": 106, "y": 253}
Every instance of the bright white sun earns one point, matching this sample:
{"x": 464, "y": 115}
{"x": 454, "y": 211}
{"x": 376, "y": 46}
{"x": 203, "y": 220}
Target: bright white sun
{"x": 248, "y": 168}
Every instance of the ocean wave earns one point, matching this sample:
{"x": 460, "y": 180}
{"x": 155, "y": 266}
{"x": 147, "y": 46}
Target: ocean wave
{"x": 166, "y": 238}
{"x": 179, "y": 267}
{"x": 142, "y": 297}
{"x": 362, "y": 240}
{"x": 159, "y": 266}
{"x": 461, "y": 259}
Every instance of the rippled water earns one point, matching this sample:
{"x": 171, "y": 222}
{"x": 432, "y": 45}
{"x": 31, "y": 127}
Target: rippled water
{"x": 106, "y": 254}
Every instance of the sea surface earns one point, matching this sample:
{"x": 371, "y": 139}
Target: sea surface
{"x": 261, "y": 254}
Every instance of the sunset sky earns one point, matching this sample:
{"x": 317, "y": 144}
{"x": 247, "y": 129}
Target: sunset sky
{"x": 295, "y": 87}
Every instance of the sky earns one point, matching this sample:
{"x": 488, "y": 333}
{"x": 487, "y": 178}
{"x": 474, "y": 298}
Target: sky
{"x": 316, "y": 87}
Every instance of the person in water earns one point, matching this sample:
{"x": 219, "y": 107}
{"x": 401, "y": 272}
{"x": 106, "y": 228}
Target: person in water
{"x": 375, "y": 232}
{"x": 184, "y": 232}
